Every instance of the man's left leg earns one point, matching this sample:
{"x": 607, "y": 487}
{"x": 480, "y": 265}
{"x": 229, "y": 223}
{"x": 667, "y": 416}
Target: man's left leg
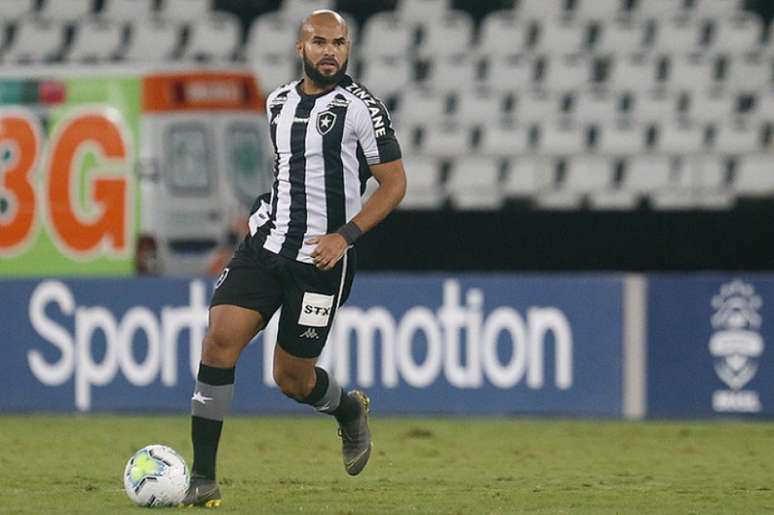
{"x": 301, "y": 380}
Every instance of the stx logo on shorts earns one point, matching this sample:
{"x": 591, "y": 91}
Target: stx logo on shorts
{"x": 316, "y": 310}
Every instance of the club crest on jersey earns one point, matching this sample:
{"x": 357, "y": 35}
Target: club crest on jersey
{"x": 325, "y": 122}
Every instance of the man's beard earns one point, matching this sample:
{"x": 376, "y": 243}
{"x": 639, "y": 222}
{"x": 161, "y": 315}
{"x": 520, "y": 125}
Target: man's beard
{"x": 323, "y": 81}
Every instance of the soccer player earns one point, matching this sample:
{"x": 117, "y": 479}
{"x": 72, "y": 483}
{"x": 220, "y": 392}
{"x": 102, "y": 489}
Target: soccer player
{"x": 329, "y": 135}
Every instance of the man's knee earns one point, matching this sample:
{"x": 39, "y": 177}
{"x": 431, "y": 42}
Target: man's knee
{"x": 218, "y": 350}
{"x": 297, "y": 387}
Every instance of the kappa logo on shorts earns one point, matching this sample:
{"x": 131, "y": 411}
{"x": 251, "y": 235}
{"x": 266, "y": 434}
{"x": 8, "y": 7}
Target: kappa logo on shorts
{"x": 310, "y": 333}
{"x": 325, "y": 122}
{"x": 316, "y": 310}
{"x": 222, "y": 278}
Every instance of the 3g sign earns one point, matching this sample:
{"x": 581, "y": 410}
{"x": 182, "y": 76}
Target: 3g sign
{"x": 85, "y": 214}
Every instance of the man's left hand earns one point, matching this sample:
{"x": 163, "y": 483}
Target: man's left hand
{"x": 330, "y": 248}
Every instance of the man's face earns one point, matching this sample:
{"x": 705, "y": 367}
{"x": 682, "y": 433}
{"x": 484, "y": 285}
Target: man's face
{"x": 324, "y": 49}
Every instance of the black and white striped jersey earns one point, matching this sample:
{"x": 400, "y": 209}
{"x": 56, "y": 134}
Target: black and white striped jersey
{"x": 323, "y": 145}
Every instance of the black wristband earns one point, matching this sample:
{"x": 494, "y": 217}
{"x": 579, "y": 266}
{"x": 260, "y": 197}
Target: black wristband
{"x": 350, "y": 231}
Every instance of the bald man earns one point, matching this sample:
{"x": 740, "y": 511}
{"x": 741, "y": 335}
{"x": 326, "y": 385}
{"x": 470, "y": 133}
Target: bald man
{"x": 330, "y": 135}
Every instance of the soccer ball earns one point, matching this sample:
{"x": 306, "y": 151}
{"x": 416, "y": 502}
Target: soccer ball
{"x": 156, "y": 476}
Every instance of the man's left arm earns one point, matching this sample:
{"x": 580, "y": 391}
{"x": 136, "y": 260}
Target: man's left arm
{"x": 392, "y": 186}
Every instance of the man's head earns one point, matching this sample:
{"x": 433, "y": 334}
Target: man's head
{"x": 323, "y": 45}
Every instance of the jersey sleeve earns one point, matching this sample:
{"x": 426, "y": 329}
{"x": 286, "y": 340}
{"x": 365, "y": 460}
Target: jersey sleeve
{"x": 375, "y": 133}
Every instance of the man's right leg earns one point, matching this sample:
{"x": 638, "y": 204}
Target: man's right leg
{"x": 231, "y": 328}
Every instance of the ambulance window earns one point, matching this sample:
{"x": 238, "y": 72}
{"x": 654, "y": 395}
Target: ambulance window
{"x": 247, "y": 161}
{"x": 189, "y": 158}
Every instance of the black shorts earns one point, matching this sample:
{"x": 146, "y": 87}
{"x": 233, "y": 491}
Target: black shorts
{"x": 260, "y": 280}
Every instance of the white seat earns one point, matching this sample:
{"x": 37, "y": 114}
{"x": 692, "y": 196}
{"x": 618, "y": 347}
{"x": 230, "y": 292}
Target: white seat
{"x": 510, "y": 73}
{"x": 595, "y": 106}
{"x": 737, "y": 138}
{"x": 560, "y": 74}
{"x": 96, "y": 39}
{"x": 386, "y": 35}
{"x": 537, "y": 106}
{"x": 716, "y": 8}
{"x": 185, "y": 11}
{"x": 445, "y": 141}
{"x": 271, "y": 34}
{"x": 680, "y": 139}
{"x": 583, "y": 175}
{"x": 127, "y": 10}
{"x": 65, "y": 11}
{"x": 526, "y": 176}
{"x": 616, "y": 197}
{"x": 474, "y": 183}
{"x": 654, "y": 106}
{"x": 450, "y": 74}
{"x": 152, "y": 40}
{"x": 216, "y": 36}
{"x": 418, "y": 10}
{"x": 504, "y": 140}
{"x": 636, "y": 73}
{"x": 711, "y": 107}
{"x": 763, "y": 107}
{"x": 748, "y": 73}
{"x": 598, "y": 10}
{"x": 647, "y": 173}
{"x": 754, "y": 176}
{"x": 561, "y": 37}
{"x": 561, "y": 139}
{"x": 710, "y": 182}
{"x": 387, "y": 76}
{"x": 419, "y": 105}
{"x": 680, "y": 35}
{"x": 12, "y": 10}
{"x": 273, "y": 71}
{"x": 620, "y": 139}
{"x": 449, "y": 35}
{"x": 502, "y": 33}
{"x": 297, "y": 10}
{"x": 736, "y": 34}
{"x": 540, "y": 9}
{"x": 480, "y": 107}
{"x": 659, "y": 9}
{"x": 620, "y": 37}
{"x": 36, "y": 40}
{"x": 681, "y": 191}
{"x": 424, "y": 189}
{"x": 692, "y": 73}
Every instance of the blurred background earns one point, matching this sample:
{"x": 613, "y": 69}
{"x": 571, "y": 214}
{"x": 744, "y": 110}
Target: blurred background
{"x": 619, "y": 142}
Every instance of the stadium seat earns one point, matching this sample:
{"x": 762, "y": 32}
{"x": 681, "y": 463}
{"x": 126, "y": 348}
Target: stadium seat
{"x": 736, "y": 137}
{"x": 692, "y": 73}
{"x": 152, "y": 40}
{"x": 598, "y": 10}
{"x": 620, "y": 38}
{"x": 736, "y": 35}
{"x": 296, "y": 10}
{"x": 480, "y": 107}
{"x": 709, "y": 107}
{"x": 504, "y": 140}
{"x": 424, "y": 189}
{"x": 511, "y": 73}
{"x": 385, "y": 35}
{"x": 656, "y": 106}
{"x": 632, "y": 73}
{"x": 449, "y": 74}
{"x": 561, "y": 37}
{"x": 763, "y": 106}
{"x": 715, "y": 8}
{"x": 680, "y": 36}
{"x": 65, "y": 11}
{"x": 474, "y": 183}
{"x": 387, "y": 76}
{"x": 35, "y": 40}
{"x": 647, "y": 173}
{"x": 680, "y": 139}
{"x": 593, "y": 106}
{"x": 417, "y": 11}
{"x": 271, "y": 35}
{"x": 535, "y": 106}
{"x": 96, "y": 39}
{"x": 526, "y": 176}
{"x": 754, "y": 177}
{"x": 658, "y": 9}
{"x": 582, "y": 176}
{"x": 710, "y": 178}
{"x": 215, "y": 37}
{"x": 449, "y": 35}
{"x": 561, "y": 139}
{"x": 273, "y": 71}
{"x": 502, "y": 34}
{"x": 185, "y": 11}
{"x": 127, "y": 10}
{"x": 540, "y": 9}
{"x": 445, "y": 140}
{"x": 12, "y": 10}
{"x": 616, "y": 197}
{"x": 748, "y": 74}
{"x": 561, "y": 74}
{"x": 620, "y": 139}
{"x": 419, "y": 105}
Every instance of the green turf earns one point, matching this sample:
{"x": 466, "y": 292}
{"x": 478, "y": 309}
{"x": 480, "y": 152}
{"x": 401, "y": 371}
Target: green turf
{"x": 292, "y": 465}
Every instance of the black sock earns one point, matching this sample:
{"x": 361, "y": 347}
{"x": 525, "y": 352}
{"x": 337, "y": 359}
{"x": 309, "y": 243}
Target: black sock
{"x": 215, "y": 386}
{"x": 348, "y": 409}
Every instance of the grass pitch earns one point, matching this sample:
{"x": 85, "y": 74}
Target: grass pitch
{"x": 458, "y": 466}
